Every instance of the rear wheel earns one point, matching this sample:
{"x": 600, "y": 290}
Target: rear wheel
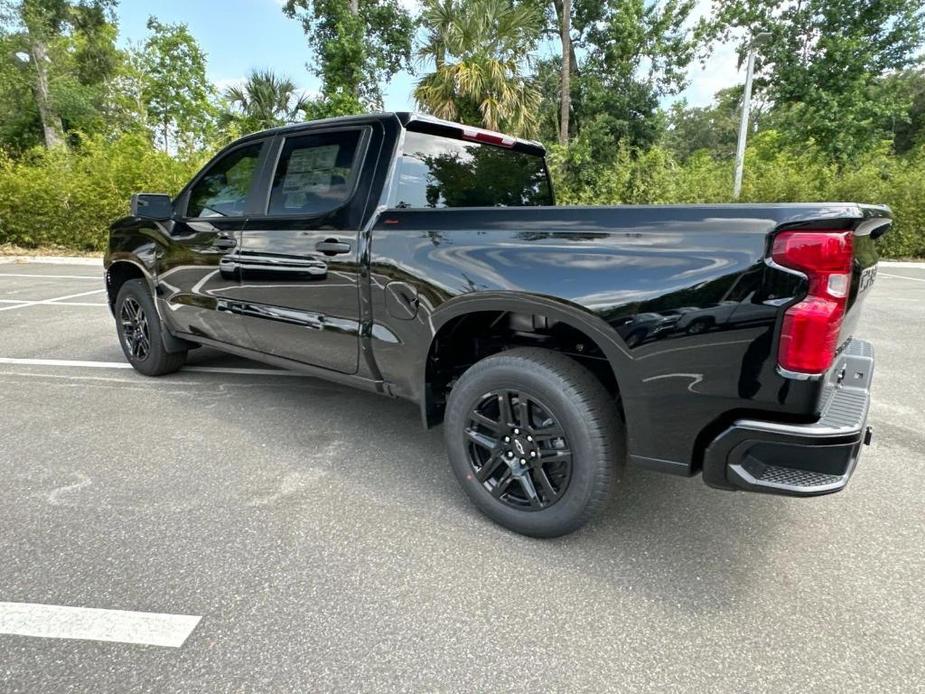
{"x": 534, "y": 439}
{"x": 140, "y": 332}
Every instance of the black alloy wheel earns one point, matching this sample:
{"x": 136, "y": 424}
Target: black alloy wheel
{"x": 135, "y": 334}
{"x": 518, "y": 450}
{"x": 140, "y": 331}
{"x": 534, "y": 439}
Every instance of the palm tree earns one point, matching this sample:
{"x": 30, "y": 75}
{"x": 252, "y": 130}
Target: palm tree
{"x": 478, "y": 47}
{"x": 265, "y": 100}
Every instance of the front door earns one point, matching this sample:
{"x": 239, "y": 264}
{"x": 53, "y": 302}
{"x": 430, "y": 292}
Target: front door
{"x": 299, "y": 261}
{"x": 197, "y": 276}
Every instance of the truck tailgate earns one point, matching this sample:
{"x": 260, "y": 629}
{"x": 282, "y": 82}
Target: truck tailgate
{"x": 876, "y": 222}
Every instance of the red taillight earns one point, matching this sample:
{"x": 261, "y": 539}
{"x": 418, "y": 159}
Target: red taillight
{"x": 809, "y": 335}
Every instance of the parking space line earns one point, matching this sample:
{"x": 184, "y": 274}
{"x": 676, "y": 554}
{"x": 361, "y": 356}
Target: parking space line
{"x": 901, "y": 277}
{"x": 54, "y": 300}
{"x": 53, "y": 277}
{"x": 74, "y": 303}
{"x": 125, "y": 365}
{"x": 93, "y": 624}
{"x": 51, "y": 303}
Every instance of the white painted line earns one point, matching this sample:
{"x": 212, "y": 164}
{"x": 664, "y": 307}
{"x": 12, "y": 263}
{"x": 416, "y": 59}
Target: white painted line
{"x": 72, "y": 303}
{"x": 126, "y": 365}
{"x": 901, "y": 277}
{"x": 98, "y": 278}
{"x": 52, "y": 260}
{"x": 55, "y": 300}
{"x": 60, "y": 622}
{"x": 50, "y": 303}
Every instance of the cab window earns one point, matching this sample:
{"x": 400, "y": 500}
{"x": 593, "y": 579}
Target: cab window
{"x": 315, "y": 173}
{"x": 223, "y": 190}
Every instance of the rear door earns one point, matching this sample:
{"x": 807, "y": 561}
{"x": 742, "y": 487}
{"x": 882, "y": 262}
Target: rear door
{"x": 299, "y": 257}
{"x": 197, "y": 274}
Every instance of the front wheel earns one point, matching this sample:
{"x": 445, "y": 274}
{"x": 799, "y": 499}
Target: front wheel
{"x": 534, "y": 439}
{"x": 139, "y": 329}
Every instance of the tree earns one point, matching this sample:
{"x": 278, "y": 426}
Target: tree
{"x": 822, "y": 63}
{"x": 633, "y": 53}
{"x": 42, "y": 26}
{"x": 175, "y": 90}
{"x": 479, "y": 49}
{"x": 358, "y": 45}
{"x": 20, "y": 123}
{"x": 713, "y": 128}
{"x": 908, "y": 126}
{"x": 265, "y": 100}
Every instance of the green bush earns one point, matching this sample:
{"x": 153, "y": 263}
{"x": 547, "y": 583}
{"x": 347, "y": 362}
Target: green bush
{"x": 773, "y": 173}
{"x": 70, "y": 197}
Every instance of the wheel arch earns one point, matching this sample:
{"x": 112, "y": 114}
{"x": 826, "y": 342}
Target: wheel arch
{"x": 576, "y": 318}
{"x": 120, "y": 271}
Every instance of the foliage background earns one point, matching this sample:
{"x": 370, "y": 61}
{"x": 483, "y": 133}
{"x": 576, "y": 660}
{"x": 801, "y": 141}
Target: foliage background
{"x": 69, "y": 199}
{"x": 840, "y": 101}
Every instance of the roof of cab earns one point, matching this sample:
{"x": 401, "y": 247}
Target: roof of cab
{"x": 420, "y": 122}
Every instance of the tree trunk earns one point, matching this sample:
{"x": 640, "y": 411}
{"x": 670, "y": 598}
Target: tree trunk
{"x": 51, "y": 121}
{"x": 565, "y": 28}
{"x": 573, "y": 61}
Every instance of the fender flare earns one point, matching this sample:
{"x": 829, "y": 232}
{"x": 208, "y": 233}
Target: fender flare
{"x": 603, "y": 335}
{"x": 127, "y": 259}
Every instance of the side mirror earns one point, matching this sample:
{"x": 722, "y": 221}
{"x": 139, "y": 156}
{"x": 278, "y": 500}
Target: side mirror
{"x": 152, "y": 206}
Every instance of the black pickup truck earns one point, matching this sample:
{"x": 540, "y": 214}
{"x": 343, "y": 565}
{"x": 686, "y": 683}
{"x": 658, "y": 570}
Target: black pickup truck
{"x": 425, "y": 260}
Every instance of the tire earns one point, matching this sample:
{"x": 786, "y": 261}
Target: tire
{"x": 699, "y": 326}
{"x": 579, "y": 466}
{"x": 141, "y": 333}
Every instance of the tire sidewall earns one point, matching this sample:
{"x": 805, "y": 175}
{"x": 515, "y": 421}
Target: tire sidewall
{"x": 590, "y": 457}
{"x": 137, "y": 290}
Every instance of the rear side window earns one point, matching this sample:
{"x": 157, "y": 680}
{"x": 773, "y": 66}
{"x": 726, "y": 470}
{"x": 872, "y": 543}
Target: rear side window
{"x": 222, "y": 191}
{"x": 439, "y": 171}
{"x": 315, "y": 173}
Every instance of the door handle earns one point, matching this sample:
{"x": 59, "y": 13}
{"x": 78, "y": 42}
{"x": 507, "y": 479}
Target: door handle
{"x": 332, "y": 247}
{"x": 225, "y": 242}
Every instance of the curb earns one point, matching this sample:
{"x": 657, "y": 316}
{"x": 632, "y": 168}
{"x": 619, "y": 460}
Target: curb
{"x": 50, "y": 260}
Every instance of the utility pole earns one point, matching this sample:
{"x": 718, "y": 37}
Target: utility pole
{"x": 756, "y": 41}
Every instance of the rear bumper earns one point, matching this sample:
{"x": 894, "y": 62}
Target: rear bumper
{"x": 800, "y": 459}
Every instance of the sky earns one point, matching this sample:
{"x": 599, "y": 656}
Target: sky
{"x": 239, "y": 35}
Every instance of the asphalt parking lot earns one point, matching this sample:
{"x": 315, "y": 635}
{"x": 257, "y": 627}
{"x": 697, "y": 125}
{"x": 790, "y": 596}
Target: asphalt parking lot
{"x": 319, "y": 538}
